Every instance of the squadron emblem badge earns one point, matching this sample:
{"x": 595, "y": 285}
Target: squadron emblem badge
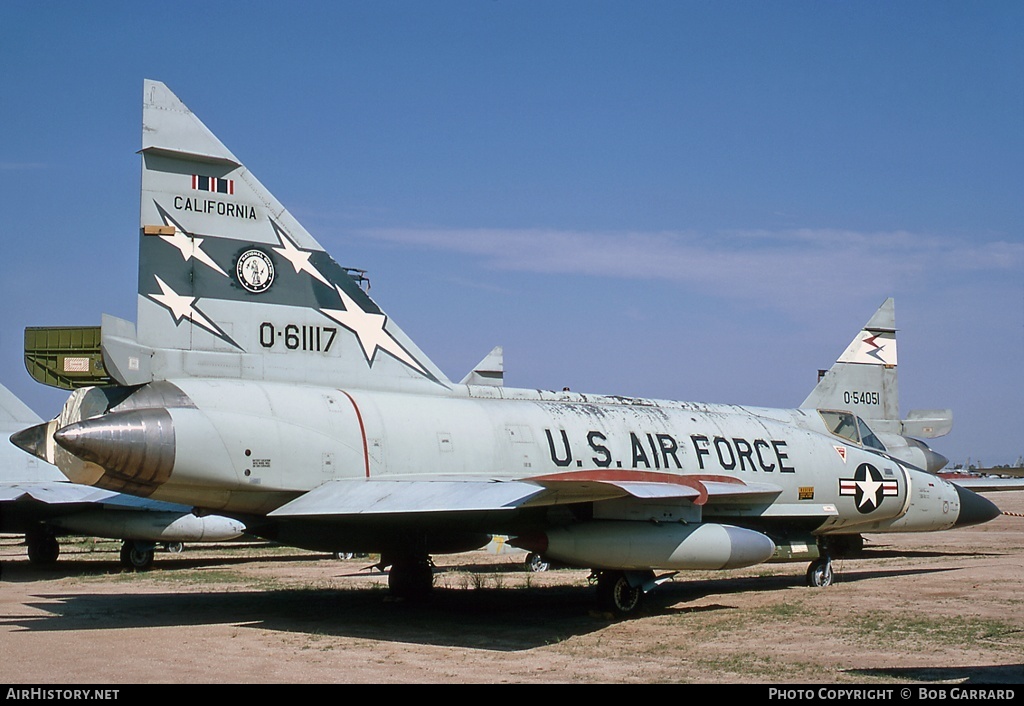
{"x": 255, "y": 271}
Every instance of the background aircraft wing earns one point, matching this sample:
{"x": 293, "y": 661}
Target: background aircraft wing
{"x": 67, "y": 493}
{"x": 53, "y": 493}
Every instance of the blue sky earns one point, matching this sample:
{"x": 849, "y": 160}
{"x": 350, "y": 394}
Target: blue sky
{"x": 682, "y": 200}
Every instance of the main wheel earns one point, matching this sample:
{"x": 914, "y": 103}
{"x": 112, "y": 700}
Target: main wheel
{"x": 819, "y": 573}
{"x": 412, "y": 580}
{"x": 615, "y": 594}
{"x": 136, "y": 557}
{"x": 42, "y": 548}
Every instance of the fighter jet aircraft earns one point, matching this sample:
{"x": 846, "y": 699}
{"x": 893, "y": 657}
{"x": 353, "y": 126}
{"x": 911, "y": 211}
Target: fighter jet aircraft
{"x": 263, "y": 383}
{"x": 38, "y": 501}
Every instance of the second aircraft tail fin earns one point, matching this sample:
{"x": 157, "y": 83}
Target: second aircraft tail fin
{"x": 863, "y": 378}
{"x": 13, "y": 412}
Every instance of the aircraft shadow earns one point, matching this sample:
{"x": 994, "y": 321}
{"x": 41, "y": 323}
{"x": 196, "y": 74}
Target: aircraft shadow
{"x": 492, "y": 619}
{"x": 684, "y": 591}
{"x": 22, "y": 571}
{"x": 972, "y": 674}
{"x": 496, "y": 618}
{"x": 896, "y": 553}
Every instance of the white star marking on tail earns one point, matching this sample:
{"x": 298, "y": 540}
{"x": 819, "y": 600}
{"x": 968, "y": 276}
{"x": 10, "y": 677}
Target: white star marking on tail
{"x": 298, "y": 258}
{"x": 189, "y": 247}
{"x": 181, "y": 307}
{"x": 369, "y": 329}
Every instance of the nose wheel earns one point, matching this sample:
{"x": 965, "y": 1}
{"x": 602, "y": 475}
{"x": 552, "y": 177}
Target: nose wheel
{"x": 535, "y": 562}
{"x": 819, "y": 573}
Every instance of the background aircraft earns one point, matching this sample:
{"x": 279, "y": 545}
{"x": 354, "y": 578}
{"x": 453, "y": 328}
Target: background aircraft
{"x": 263, "y": 383}
{"x": 864, "y": 381}
{"x": 1014, "y": 470}
{"x": 987, "y": 480}
{"x": 38, "y": 501}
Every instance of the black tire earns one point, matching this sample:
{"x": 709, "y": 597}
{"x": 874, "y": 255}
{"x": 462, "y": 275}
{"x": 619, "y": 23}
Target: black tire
{"x": 174, "y": 547}
{"x": 135, "y": 557}
{"x": 412, "y": 580}
{"x": 43, "y": 549}
{"x": 616, "y": 595}
{"x": 819, "y": 573}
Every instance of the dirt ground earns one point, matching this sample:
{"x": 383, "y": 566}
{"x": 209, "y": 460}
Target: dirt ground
{"x": 937, "y": 608}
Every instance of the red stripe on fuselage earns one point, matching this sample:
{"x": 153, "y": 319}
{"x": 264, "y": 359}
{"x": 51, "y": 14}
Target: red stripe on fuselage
{"x": 362, "y": 433}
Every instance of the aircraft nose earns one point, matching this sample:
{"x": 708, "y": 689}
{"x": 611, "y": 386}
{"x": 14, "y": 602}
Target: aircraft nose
{"x": 32, "y": 440}
{"x": 974, "y": 509}
{"x": 934, "y": 462}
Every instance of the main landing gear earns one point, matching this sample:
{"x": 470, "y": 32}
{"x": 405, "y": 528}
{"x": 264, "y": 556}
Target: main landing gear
{"x": 137, "y": 555}
{"x": 411, "y": 578}
{"x": 43, "y": 547}
{"x": 622, "y": 592}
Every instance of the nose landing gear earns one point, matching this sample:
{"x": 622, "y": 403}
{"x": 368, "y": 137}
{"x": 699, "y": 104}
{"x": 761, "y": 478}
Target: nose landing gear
{"x": 819, "y": 573}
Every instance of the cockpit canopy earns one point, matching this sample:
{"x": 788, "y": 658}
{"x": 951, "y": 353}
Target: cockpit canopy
{"x": 850, "y": 427}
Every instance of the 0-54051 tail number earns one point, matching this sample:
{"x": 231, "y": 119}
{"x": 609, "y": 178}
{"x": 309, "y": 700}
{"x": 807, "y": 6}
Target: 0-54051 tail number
{"x": 856, "y": 397}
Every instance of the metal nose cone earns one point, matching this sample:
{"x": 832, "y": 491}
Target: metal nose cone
{"x": 32, "y": 440}
{"x": 974, "y": 509}
{"x": 136, "y": 445}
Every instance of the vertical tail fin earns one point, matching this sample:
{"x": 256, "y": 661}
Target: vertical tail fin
{"x": 231, "y": 285}
{"x": 863, "y": 380}
{"x": 864, "y": 376}
{"x": 15, "y": 414}
{"x": 16, "y": 466}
